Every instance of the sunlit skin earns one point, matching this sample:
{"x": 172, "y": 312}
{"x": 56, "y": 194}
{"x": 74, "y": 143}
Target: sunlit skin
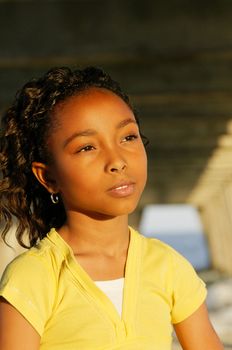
{"x": 96, "y": 146}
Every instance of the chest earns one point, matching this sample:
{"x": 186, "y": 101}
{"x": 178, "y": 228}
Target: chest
{"x": 84, "y": 317}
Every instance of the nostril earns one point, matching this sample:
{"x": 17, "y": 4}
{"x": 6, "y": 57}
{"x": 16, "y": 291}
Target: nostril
{"x": 118, "y": 168}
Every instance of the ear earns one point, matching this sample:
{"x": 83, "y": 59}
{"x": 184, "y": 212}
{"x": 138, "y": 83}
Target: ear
{"x": 43, "y": 175}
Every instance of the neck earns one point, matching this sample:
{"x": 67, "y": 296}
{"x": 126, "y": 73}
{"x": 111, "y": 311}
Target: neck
{"x": 86, "y": 234}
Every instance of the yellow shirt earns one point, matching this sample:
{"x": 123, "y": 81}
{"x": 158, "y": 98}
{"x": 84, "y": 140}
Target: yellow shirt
{"x": 69, "y": 311}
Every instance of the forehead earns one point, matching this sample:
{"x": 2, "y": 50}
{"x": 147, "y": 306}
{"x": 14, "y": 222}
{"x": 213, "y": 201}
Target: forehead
{"x": 93, "y": 101}
{"x": 91, "y": 95}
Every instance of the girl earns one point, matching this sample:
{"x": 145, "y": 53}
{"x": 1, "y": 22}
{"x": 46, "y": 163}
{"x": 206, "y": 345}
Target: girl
{"x": 73, "y": 167}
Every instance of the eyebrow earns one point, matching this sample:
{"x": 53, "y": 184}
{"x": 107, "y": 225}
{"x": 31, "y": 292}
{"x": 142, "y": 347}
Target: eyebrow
{"x": 125, "y": 122}
{"x": 91, "y": 132}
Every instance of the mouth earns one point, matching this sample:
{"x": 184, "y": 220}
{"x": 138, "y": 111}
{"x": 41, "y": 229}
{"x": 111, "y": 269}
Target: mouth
{"x": 122, "y": 190}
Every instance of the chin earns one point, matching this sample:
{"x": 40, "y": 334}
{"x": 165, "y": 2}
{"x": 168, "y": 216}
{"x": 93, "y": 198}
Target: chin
{"x": 125, "y": 209}
{"x": 109, "y": 210}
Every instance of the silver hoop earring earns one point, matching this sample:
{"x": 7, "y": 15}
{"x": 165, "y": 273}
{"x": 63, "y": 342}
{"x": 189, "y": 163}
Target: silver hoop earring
{"x": 54, "y": 198}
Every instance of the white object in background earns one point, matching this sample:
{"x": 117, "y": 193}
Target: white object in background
{"x": 179, "y": 226}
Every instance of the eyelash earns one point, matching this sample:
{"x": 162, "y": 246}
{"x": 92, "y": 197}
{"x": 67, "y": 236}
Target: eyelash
{"x": 85, "y": 149}
{"x": 128, "y": 138}
{"x": 131, "y": 137}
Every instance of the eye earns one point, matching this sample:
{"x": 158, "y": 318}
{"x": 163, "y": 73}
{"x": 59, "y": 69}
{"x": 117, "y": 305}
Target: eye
{"x": 86, "y": 149}
{"x": 130, "y": 137}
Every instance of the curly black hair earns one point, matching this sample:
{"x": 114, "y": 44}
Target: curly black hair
{"x": 24, "y": 130}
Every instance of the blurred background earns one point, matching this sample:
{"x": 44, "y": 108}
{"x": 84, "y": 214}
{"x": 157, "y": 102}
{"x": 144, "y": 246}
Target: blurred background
{"x": 174, "y": 58}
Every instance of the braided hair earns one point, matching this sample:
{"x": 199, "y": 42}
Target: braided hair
{"x": 25, "y": 128}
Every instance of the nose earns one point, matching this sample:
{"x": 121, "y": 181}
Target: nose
{"x": 117, "y": 168}
{"x": 116, "y": 163}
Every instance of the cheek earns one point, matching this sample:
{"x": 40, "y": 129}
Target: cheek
{"x": 66, "y": 174}
{"x": 76, "y": 181}
{"x": 140, "y": 167}
{"x": 144, "y": 173}
{"x": 142, "y": 162}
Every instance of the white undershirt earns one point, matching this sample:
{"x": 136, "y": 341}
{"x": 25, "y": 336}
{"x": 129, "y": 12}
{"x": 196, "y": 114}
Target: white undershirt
{"x": 114, "y": 291}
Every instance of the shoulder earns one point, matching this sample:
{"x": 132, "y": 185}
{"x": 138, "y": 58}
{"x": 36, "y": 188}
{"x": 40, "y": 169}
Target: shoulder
{"x": 29, "y": 282}
{"x": 160, "y": 259}
{"x": 157, "y": 251}
{"x": 35, "y": 264}
{"x": 169, "y": 257}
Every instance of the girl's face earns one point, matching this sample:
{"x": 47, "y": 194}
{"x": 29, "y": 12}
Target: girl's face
{"x": 99, "y": 162}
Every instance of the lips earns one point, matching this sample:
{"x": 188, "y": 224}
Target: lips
{"x": 122, "y": 189}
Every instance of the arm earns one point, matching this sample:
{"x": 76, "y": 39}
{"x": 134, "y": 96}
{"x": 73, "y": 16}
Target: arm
{"x": 16, "y": 333}
{"x": 197, "y": 333}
